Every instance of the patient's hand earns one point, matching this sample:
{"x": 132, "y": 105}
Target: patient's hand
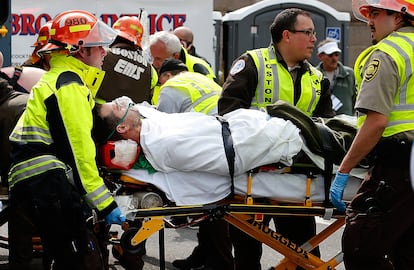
{"x": 337, "y": 190}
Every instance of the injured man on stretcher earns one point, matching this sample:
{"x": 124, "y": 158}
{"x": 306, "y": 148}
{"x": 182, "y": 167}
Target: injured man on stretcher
{"x": 199, "y": 159}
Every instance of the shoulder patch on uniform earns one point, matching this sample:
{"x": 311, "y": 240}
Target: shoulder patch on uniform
{"x": 237, "y": 67}
{"x": 68, "y": 77}
{"x": 372, "y": 69}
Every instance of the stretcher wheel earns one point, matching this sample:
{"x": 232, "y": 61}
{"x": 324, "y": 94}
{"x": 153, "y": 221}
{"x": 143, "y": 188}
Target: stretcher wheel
{"x": 126, "y": 242}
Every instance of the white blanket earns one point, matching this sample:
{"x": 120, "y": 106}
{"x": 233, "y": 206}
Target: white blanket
{"x": 196, "y": 188}
{"x": 193, "y": 142}
{"x": 192, "y": 166}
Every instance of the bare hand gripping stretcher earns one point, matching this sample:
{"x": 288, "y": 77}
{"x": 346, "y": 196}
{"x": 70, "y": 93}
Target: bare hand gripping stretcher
{"x": 298, "y": 179}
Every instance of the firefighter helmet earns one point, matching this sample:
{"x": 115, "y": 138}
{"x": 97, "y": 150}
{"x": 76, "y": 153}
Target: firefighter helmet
{"x": 43, "y": 35}
{"x": 73, "y": 29}
{"x": 361, "y": 8}
{"x": 41, "y": 41}
{"x": 130, "y": 28}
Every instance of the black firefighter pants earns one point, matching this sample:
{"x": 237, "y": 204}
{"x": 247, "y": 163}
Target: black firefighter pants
{"x": 49, "y": 203}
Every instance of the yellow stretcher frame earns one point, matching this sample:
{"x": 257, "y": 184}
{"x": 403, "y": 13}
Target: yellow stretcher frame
{"x": 240, "y": 216}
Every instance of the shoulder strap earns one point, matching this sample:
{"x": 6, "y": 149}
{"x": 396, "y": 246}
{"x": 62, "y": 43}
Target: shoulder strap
{"x": 16, "y": 75}
{"x": 228, "y": 148}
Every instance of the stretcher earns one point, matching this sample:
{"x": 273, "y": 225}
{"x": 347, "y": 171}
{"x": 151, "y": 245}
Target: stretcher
{"x": 298, "y": 190}
{"x": 288, "y": 194}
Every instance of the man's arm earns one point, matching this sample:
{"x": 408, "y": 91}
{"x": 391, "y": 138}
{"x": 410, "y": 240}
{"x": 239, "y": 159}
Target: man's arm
{"x": 239, "y": 87}
{"x": 172, "y": 100}
{"x": 365, "y": 140}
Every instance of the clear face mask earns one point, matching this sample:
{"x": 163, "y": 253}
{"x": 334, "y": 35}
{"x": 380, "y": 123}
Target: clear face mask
{"x": 122, "y": 102}
{"x": 100, "y": 35}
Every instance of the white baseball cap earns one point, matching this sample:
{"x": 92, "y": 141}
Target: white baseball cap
{"x": 328, "y": 48}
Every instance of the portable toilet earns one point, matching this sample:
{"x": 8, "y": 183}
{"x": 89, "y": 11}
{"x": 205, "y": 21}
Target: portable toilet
{"x": 248, "y": 28}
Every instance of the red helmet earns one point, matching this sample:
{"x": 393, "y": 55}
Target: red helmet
{"x": 361, "y": 8}
{"x": 73, "y": 29}
{"x": 130, "y": 28}
{"x": 41, "y": 41}
{"x": 43, "y": 35}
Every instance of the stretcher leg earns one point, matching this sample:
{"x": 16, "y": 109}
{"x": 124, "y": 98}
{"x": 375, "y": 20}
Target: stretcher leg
{"x": 314, "y": 242}
{"x": 297, "y": 255}
{"x": 240, "y": 216}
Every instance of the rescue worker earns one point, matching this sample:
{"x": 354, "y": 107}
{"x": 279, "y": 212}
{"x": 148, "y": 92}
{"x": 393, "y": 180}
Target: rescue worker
{"x": 128, "y": 73}
{"x": 261, "y": 77}
{"x": 36, "y": 60}
{"x": 54, "y": 175}
{"x": 379, "y": 231}
{"x": 164, "y": 45}
{"x": 341, "y": 77}
{"x": 186, "y": 36}
{"x": 183, "y": 91}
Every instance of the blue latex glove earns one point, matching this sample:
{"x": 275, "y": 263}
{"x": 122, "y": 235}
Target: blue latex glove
{"x": 337, "y": 190}
{"x": 115, "y": 217}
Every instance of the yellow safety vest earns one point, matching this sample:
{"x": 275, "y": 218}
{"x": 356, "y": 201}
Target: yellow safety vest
{"x": 155, "y": 94}
{"x": 63, "y": 94}
{"x": 400, "y": 46}
{"x": 191, "y": 60}
{"x": 203, "y": 91}
{"x": 275, "y": 82}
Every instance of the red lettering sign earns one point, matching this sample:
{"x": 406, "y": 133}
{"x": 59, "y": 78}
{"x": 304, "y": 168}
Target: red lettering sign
{"x": 28, "y": 24}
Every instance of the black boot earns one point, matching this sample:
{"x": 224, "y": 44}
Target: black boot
{"x": 195, "y": 260}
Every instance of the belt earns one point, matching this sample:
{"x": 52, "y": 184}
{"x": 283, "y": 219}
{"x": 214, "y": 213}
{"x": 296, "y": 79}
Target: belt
{"x": 228, "y": 148}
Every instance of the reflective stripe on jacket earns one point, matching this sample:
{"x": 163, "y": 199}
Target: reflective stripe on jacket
{"x": 55, "y": 129}
{"x": 275, "y": 82}
{"x": 204, "y": 92}
{"x": 32, "y": 167}
{"x": 400, "y": 47}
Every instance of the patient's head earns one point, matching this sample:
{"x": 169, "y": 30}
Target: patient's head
{"x": 121, "y": 119}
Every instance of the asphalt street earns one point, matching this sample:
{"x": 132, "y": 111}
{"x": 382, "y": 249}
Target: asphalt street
{"x": 180, "y": 242}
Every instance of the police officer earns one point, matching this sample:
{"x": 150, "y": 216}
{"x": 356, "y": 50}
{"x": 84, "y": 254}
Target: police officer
{"x": 263, "y": 76}
{"x": 54, "y": 174}
{"x": 128, "y": 72}
{"x": 380, "y": 224}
